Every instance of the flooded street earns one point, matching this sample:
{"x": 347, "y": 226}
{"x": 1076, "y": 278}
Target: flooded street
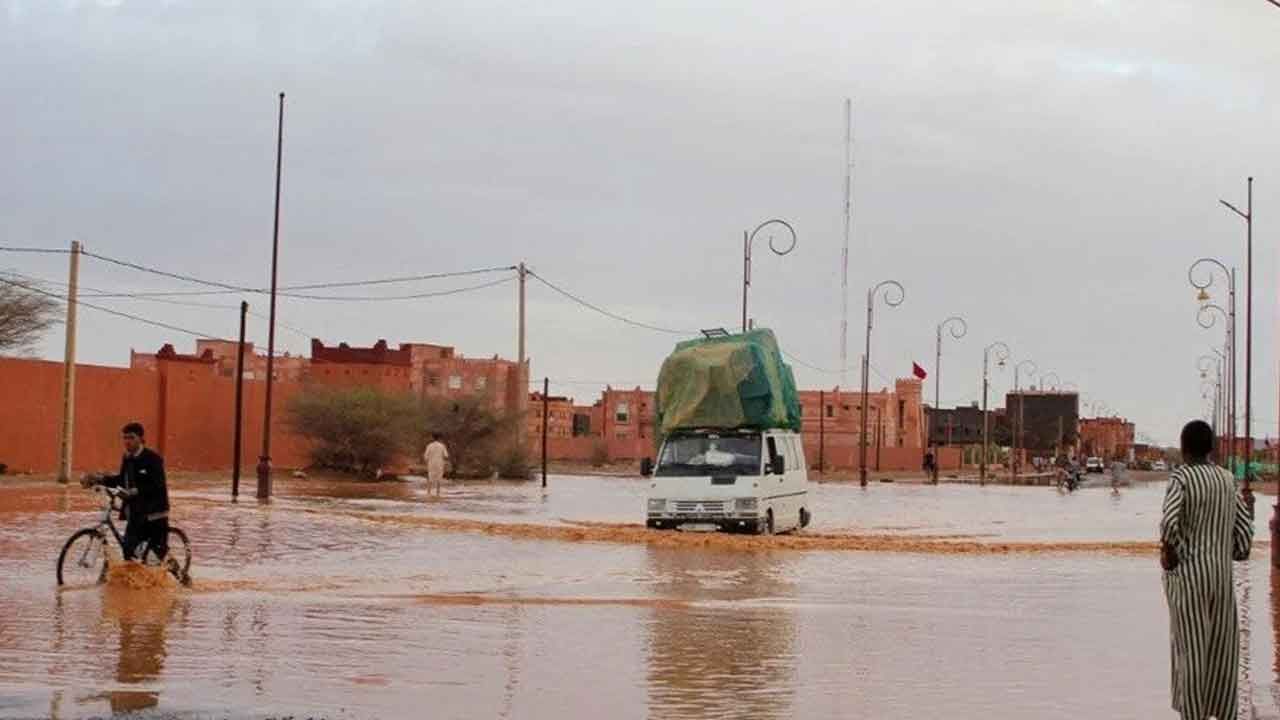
{"x": 359, "y": 600}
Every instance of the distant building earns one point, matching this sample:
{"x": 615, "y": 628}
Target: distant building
{"x": 961, "y": 425}
{"x": 1049, "y": 419}
{"x": 1110, "y": 438}
{"x": 423, "y": 369}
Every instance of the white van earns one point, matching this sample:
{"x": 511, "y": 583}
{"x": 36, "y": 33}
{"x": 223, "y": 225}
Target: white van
{"x": 734, "y": 480}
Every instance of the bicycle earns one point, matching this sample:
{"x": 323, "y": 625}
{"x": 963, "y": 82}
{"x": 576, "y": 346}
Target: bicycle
{"x": 84, "y": 557}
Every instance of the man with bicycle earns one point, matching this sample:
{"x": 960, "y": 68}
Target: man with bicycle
{"x": 146, "y": 501}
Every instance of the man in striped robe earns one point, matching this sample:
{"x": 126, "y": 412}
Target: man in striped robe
{"x": 1206, "y": 525}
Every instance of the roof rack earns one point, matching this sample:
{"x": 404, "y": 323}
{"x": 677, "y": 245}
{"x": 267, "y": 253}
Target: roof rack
{"x": 715, "y": 332}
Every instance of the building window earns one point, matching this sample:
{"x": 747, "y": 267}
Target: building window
{"x": 455, "y": 382}
{"x": 831, "y": 411}
{"x": 433, "y": 380}
{"x": 481, "y": 382}
{"x": 622, "y": 413}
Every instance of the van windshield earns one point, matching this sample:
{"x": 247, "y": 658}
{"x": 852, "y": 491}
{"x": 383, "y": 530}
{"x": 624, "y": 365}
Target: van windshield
{"x": 693, "y": 455}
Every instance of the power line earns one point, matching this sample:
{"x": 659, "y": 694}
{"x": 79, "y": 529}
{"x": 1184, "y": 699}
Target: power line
{"x": 36, "y": 250}
{"x": 166, "y": 273}
{"x": 826, "y": 371}
{"x": 414, "y": 296}
{"x": 109, "y": 311}
{"x": 607, "y": 313}
{"x": 97, "y": 292}
{"x": 288, "y": 291}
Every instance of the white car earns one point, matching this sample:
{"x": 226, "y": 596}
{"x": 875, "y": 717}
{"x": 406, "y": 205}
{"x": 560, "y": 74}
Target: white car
{"x": 744, "y": 480}
{"x": 1094, "y": 465}
{"x": 1160, "y": 466}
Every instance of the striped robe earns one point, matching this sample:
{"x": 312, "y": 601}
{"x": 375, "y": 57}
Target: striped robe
{"x": 1208, "y": 524}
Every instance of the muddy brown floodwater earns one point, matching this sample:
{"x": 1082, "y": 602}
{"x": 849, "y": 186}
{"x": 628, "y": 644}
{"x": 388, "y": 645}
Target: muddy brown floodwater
{"x": 342, "y": 599}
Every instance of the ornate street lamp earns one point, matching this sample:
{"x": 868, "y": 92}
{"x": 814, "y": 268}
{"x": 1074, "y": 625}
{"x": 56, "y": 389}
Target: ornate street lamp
{"x": 1001, "y": 352}
{"x": 747, "y": 239}
{"x": 893, "y": 294}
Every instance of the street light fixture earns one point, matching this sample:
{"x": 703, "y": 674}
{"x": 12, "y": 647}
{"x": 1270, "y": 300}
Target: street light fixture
{"x": 1045, "y": 383}
{"x": 1247, "y": 215}
{"x": 1207, "y": 317}
{"x": 1206, "y": 320}
{"x": 1002, "y": 355}
{"x": 1017, "y": 435}
{"x": 957, "y": 326}
{"x": 747, "y": 239}
{"x": 893, "y": 295}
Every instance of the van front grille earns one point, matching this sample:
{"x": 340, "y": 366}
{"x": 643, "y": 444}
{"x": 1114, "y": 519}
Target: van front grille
{"x": 700, "y": 507}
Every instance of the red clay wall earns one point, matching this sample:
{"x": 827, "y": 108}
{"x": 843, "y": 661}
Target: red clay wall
{"x": 31, "y": 412}
{"x": 187, "y": 409}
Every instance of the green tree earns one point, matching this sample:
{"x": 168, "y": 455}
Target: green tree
{"x": 481, "y": 440}
{"x": 355, "y": 429}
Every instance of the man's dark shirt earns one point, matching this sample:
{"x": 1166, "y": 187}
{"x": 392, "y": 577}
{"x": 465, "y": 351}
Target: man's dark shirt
{"x": 143, "y": 472}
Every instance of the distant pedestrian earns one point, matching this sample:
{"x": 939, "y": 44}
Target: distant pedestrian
{"x": 436, "y": 458}
{"x": 1205, "y": 526}
{"x": 931, "y": 467}
{"x": 1118, "y": 469}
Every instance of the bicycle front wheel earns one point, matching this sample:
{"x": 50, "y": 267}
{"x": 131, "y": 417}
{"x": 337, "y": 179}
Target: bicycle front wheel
{"x": 83, "y": 560}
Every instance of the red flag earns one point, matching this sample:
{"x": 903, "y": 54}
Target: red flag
{"x": 918, "y": 371}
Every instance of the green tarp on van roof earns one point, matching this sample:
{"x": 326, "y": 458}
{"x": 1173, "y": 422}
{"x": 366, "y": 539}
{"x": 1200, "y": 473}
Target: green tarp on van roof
{"x": 733, "y": 381}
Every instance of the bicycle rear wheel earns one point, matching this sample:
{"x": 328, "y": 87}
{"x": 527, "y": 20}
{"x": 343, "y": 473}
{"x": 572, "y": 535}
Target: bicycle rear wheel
{"x": 178, "y": 559}
{"x": 83, "y": 560}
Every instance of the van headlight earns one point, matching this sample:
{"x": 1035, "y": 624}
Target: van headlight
{"x": 745, "y": 504}
{"x": 657, "y": 505}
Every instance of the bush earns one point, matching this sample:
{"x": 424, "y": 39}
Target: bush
{"x": 363, "y": 429}
{"x": 481, "y": 441}
{"x": 513, "y": 462}
{"x": 354, "y": 429}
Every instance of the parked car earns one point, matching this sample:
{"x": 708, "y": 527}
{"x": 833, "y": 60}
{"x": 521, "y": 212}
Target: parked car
{"x": 1093, "y": 465}
{"x": 1160, "y": 466}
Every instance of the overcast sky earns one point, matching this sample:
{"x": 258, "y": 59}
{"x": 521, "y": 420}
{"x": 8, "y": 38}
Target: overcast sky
{"x": 1048, "y": 170}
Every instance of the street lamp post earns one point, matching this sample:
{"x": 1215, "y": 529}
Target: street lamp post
{"x": 1206, "y": 317}
{"x": 1211, "y": 375}
{"x": 892, "y": 299}
{"x": 264, "y": 461}
{"x": 1002, "y": 354}
{"x": 1230, "y": 313}
{"x": 958, "y": 328}
{"x": 747, "y": 239}
{"x": 1017, "y": 435}
{"x": 1044, "y": 381}
{"x": 1247, "y": 215}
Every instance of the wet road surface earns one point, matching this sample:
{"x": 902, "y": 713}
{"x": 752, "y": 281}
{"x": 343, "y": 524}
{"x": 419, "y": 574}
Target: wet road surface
{"x": 344, "y": 599}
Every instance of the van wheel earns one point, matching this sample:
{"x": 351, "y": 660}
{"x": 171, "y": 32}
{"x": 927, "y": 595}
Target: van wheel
{"x": 767, "y": 527}
{"x": 805, "y": 517}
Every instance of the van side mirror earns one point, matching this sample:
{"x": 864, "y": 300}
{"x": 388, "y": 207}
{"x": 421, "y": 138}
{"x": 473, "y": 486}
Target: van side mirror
{"x": 646, "y": 467}
{"x": 778, "y": 466}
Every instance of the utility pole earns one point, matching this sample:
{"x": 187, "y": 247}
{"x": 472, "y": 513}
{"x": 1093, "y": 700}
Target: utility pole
{"x": 522, "y": 399}
{"x": 982, "y": 466}
{"x": 264, "y": 462}
{"x": 69, "y": 369}
{"x": 822, "y": 431}
{"x": 235, "y": 459}
{"x": 879, "y": 438}
{"x": 546, "y": 388}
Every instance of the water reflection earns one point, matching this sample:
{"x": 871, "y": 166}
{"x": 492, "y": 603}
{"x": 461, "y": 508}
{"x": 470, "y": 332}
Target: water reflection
{"x": 142, "y": 618}
{"x": 731, "y": 656}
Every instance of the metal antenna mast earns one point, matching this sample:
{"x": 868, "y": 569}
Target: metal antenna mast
{"x": 844, "y": 256}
